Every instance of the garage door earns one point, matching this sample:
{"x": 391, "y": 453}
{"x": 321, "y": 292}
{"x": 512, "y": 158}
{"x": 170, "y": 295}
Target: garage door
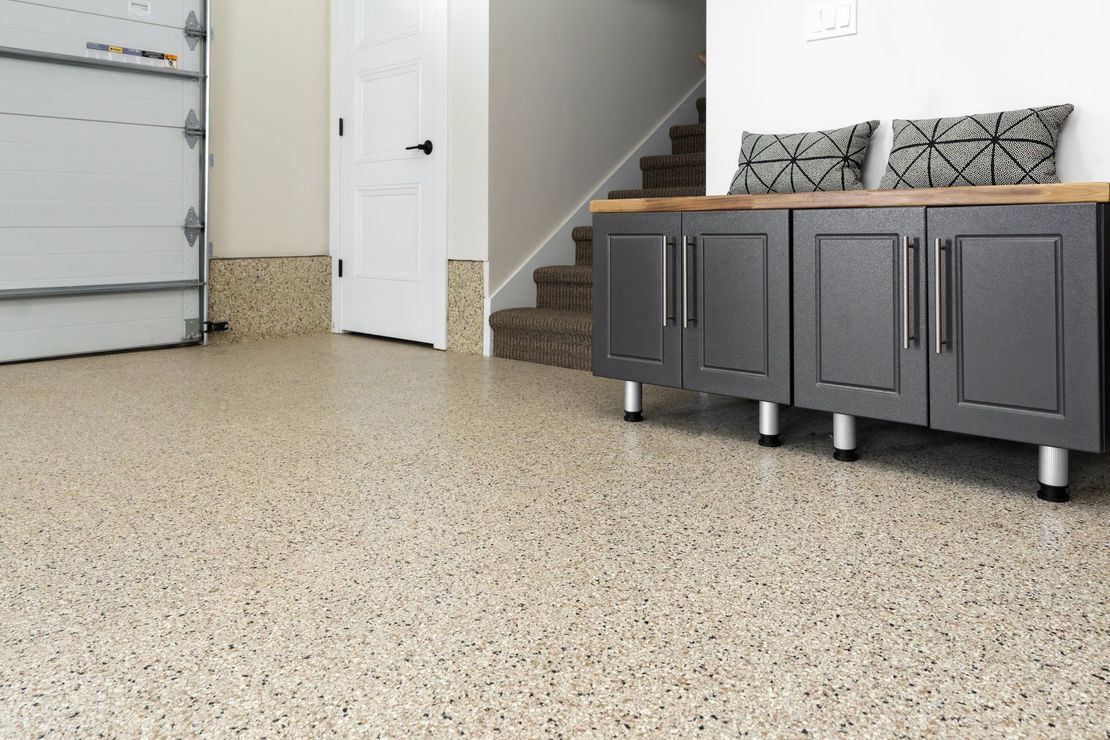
{"x": 102, "y": 175}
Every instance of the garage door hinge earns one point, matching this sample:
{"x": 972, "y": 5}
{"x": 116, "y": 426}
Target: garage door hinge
{"x": 193, "y": 227}
{"x": 193, "y": 130}
{"x": 194, "y": 32}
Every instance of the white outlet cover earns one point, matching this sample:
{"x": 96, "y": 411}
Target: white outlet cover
{"x": 827, "y": 19}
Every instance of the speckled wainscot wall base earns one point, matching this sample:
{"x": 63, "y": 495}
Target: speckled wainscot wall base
{"x": 465, "y": 306}
{"x": 270, "y": 296}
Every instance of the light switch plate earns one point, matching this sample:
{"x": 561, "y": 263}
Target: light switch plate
{"x": 827, "y": 19}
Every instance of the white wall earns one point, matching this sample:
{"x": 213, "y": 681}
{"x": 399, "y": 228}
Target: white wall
{"x": 468, "y": 139}
{"x": 918, "y": 59}
{"x": 574, "y": 85}
{"x": 270, "y": 127}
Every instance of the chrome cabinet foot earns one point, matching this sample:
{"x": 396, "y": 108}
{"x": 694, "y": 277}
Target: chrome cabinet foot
{"x": 844, "y": 438}
{"x": 633, "y": 401}
{"x": 769, "y": 424}
{"x": 1052, "y": 474}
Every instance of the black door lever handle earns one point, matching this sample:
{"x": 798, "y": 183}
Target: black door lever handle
{"x": 426, "y": 147}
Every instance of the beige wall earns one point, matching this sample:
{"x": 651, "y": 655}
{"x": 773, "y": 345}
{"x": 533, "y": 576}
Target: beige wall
{"x": 468, "y": 138}
{"x": 270, "y": 127}
{"x": 574, "y": 86}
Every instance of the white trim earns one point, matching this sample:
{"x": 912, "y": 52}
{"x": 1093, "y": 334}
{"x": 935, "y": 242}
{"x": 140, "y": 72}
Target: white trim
{"x": 442, "y": 134}
{"x": 518, "y": 290}
{"x": 441, "y": 138}
{"x": 334, "y": 165}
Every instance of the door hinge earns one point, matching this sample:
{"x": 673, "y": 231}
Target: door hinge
{"x": 193, "y": 130}
{"x": 340, "y": 126}
{"x": 193, "y": 227}
{"x": 340, "y": 268}
{"x": 192, "y": 330}
{"x": 194, "y": 32}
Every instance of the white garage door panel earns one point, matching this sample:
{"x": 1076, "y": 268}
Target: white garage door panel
{"x": 162, "y": 12}
{"x": 56, "y": 90}
{"x": 87, "y": 213}
{"x": 97, "y": 178}
{"x": 30, "y": 144}
{"x": 37, "y": 27}
{"x": 48, "y": 327}
{"x": 45, "y": 257}
{"x": 139, "y": 190}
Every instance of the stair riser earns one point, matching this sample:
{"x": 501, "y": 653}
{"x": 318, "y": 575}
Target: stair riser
{"x": 584, "y": 253}
{"x": 574, "y": 352}
{"x": 687, "y": 144}
{"x": 564, "y": 296}
{"x": 675, "y": 177}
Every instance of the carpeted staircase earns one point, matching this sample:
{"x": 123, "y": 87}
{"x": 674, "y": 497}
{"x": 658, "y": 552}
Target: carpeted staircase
{"x": 558, "y": 330}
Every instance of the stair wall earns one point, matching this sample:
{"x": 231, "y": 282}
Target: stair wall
{"x": 558, "y": 330}
{"x": 520, "y": 290}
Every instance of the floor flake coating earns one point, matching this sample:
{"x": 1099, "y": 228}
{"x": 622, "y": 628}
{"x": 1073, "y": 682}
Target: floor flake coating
{"x": 340, "y": 534}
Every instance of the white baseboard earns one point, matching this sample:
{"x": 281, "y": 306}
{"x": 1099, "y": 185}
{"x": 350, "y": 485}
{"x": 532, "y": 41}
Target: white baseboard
{"x": 518, "y": 290}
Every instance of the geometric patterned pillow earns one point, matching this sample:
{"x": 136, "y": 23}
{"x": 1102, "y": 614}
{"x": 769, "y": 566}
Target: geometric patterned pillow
{"x": 803, "y": 163}
{"x": 1007, "y": 148}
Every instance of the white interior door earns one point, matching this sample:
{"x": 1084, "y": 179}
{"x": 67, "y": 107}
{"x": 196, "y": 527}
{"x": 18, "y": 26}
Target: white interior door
{"x": 391, "y": 196}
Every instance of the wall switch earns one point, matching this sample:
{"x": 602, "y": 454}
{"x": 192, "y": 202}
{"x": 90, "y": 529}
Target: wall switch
{"x": 843, "y": 15}
{"x": 826, "y": 19}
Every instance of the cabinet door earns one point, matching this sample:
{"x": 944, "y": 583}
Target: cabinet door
{"x": 859, "y": 313}
{"x": 736, "y": 304}
{"x": 1020, "y": 314}
{"x": 636, "y": 335}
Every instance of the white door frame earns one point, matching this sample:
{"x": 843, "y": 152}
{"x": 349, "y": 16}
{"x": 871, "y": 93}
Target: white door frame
{"x": 441, "y": 134}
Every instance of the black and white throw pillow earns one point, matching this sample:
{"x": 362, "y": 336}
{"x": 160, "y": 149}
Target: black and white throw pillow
{"x": 804, "y": 162}
{"x": 1008, "y": 148}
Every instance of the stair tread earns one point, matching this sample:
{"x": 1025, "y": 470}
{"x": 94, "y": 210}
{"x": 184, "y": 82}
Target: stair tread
{"x": 667, "y": 161}
{"x": 687, "y": 129}
{"x": 582, "y": 233}
{"x": 657, "y": 193}
{"x": 545, "y": 320}
{"x": 563, "y": 274}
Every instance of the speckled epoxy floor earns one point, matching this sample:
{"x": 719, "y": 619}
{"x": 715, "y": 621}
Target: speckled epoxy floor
{"x": 336, "y": 534}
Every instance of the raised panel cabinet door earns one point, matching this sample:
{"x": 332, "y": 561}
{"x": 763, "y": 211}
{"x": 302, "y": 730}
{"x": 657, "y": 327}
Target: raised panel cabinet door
{"x": 636, "y": 332}
{"x": 736, "y": 304}
{"x": 1020, "y": 320}
{"x": 859, "y": 313}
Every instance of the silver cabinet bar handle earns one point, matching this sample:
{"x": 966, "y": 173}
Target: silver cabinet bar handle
{"x": 936, "y": 294}
{"x": 905, "y": 292}
{"x": 685, "y": 283}
{"x": 663, "y": 255}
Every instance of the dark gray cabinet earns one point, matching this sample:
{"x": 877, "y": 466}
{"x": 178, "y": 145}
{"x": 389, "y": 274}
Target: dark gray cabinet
{"x": 1020, "y": 353}
{"x": 986, "y": 320}
{"x": 636, "y": 335}
{"x": 696, "y": 300}
{"x": 736, "y": 320}
{"x": 859, "y": 311}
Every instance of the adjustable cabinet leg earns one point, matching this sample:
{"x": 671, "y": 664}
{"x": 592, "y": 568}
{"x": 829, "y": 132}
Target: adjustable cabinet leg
{"x": 633, "y": 401}
{"x": 1053, "y": 474}
{"x": 844, "y": 438}
{"x": 769, "y": 424}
